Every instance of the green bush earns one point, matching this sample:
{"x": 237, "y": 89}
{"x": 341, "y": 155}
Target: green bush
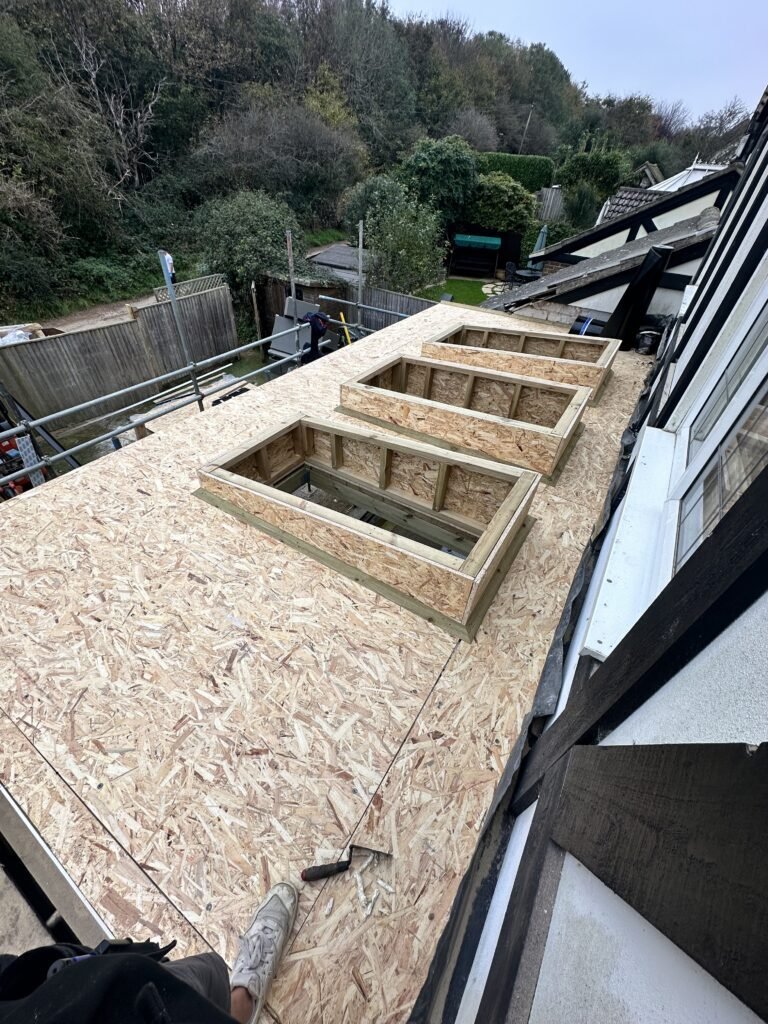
{"x": 243, "y": 237}
{"x": 405, "y": 244}
{"x": 582, "y": 204}
{"x": 442, "y": 173}
{"x": 357, "y": 201}
{"x": 500, "y": 203}
{"x": 533, "y": 172}
{"x": 555, "y": 233}
{"x": 603, "y": 170}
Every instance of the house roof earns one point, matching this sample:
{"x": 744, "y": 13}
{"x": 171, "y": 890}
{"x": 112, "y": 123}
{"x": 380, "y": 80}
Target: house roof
{"x": 688, "y": 176}
{"x": 626, "y": 200}
{"x": 662, "y": 202}
{"x": 339, "y": 260}
{"x": 597, "y": 270}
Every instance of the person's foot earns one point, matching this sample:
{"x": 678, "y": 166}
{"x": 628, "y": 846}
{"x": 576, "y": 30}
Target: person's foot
{"x": 262, "y": 944}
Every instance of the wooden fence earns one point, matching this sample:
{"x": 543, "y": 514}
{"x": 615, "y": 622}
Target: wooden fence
{"x": 49, "y": 374}
{"x": 393, "y": 302}
{"x": 191, "y": 287}
{"x": 550, "y": 204}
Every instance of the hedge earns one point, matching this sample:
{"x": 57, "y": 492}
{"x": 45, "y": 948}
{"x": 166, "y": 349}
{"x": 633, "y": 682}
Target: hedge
{"x": 533, "y": 172}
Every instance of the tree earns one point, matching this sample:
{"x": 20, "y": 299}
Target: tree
{"x": 603, "y": 170}
{"x": 714, "y": 135}
{"x": 326, "y": 98}
{"x": 671, "y": 117}
{"x": 357, "y": 202}
{"x": 441, "y": 173}
{"x": 360, "y": 42}
{"x": 500, "y": 203}
{"x": 406, "y": 245}
{"x": 582, "y": 204}
{"x": 477, "y": 129}
{"x": 629, "y": 120}
{"x": 286, "y": 150}
{"x": 243, "y": 237}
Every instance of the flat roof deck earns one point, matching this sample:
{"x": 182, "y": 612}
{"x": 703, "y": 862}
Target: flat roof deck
{"x": 193, "y": 710}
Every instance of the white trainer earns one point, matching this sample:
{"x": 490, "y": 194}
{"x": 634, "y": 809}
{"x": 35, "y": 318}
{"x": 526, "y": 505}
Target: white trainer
{"x": 262, "y": 944}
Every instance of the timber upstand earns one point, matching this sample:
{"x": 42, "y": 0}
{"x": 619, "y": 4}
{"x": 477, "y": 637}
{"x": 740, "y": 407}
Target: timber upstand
{"x": 435, "y": 531}
{"x": 546, "y": 355}
{"x": 518, "y": 420}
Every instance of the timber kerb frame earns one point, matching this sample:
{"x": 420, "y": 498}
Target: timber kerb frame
{"x": 546, "y": 355}
{"x": 517, "y": 420}
{"x": 464, "y": 518}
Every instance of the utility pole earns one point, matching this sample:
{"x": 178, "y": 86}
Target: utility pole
{"x": 161, "y": 255}
{"x": 359, "y": 271}
{"x": 525, "y": 131}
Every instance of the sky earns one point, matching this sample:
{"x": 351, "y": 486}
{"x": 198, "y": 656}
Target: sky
{"x": 701, "y": 51}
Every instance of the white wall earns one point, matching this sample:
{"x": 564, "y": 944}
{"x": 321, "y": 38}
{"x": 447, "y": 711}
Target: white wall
{"x": 604, "y": 245}
{"x": 719, "y": 697}
{"x": 692, "y": 209}
{"x": 605, "y": 964}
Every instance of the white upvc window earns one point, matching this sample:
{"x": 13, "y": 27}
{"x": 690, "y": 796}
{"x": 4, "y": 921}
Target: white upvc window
{"x": 738, "y": 459}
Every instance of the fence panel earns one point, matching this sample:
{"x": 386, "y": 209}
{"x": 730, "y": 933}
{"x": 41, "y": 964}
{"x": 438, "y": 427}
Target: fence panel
{"x": 209, "y": 320}
{"x": 48, "y": 374}
{"x": 191, "y": 287}
{"x": 395, "y": 302}
{"x": 550, "y": 204}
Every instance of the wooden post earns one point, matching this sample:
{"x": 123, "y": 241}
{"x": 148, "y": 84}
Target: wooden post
{"x": 513, "y": 403}
{"x": 440, "y": 486}
{"x": 385, "y": 468}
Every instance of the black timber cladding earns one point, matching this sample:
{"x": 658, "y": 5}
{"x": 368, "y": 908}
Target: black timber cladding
{"x": 678, "y": 832}
{"x": 740, "y": 220}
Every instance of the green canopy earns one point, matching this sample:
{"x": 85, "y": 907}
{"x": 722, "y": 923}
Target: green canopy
{"x": 477, "y": 241}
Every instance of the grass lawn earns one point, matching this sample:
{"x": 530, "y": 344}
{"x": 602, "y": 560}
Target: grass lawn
{"x": 323, "y": 236}
{"x": 469, "y": 292}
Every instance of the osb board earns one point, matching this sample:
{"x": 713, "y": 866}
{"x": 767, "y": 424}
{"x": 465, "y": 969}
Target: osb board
{"x": 446, "y": 386}
{"x": 416, "y": 478}
{"x": 244, "y": 708}
{"x": 530, "y": 447}
{"x": 95, "y": 855}
{"x": 471, "y": 494}
{"x": 563, "y": 371}
{"x": 438, "y": 586}
{"x": 477, "y": 496}
{"x": 537, "y": 405}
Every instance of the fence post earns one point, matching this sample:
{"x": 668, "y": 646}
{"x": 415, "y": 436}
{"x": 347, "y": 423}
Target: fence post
{"x": 161, "y": 254}
{"x": 291, "y": 275}
{"x": 359, "y": 272}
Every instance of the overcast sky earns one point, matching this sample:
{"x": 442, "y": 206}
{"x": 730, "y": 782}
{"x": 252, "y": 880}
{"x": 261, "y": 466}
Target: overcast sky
{"x": 702, "y": 52}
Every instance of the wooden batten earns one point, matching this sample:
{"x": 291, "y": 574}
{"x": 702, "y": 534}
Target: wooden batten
{"x": 453, "y": 501}
{"x": 515, "y": 419}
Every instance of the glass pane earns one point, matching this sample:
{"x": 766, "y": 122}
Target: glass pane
{"x": 707, "y": 418}
{"x": 750, "y": 351}
{"x": 738, "y": 461}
